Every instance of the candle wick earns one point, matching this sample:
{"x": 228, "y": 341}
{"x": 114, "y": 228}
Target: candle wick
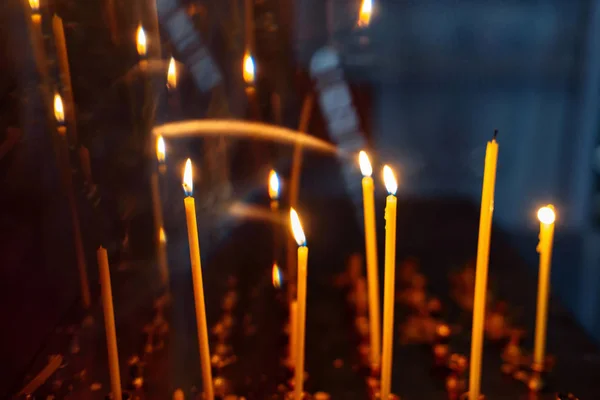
{"x": 495, "y": 133}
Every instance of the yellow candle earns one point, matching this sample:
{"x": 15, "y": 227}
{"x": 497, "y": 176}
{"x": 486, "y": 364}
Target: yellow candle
{"x": 109, "y": 324}
{"x": 190, "y": 213}
{"x": 293, "y": 325}
{"x": 483, "y": 252}
{"x": 389, "y": 282}
{"x": 547, "y": 217}
{"x": 371, "y": 257}
{"x": 301, "y": 315}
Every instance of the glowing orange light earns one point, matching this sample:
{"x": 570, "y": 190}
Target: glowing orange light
{"x": 162, "y": 236}
{"x": 297, "y": 228}
{"x": 546, "y": 215}
{"x": 276, "y": 276}
{"x": 273, "y": 185}
{"x": 141, "y": 41}
{"x": 364, "y": 15}
{"x": 35, "y": 5}
{"x": 188, "y": 181}
{"x": 248, "y": 70}
{"x": 365, "y": 164}
{"x": 390, "y": 180}
{"x": 59, "y": 110}
{"x": 160, "y": 149}
{"x": 172, "y": 74}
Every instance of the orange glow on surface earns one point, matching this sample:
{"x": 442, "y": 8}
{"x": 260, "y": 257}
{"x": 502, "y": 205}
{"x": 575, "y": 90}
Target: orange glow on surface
{"x": 162, "y": 236}
{"x": 390, "y": 180}
{"x": 273, "y": 185}
{"x": 297, "y": 228}
{"x": 546, "y": 215}
{"x": 248, "y": 69}
{"x": 172, "y": 74}
{"x": 365, "y": 164}
{"x": 188, "y": 181}
{"x": 276, "y": 276}
{"x": 141, "y": 41}
{"x": 366, "y": 10}
{"x": 59, "y": 110}
{"x": 160, "y": 149}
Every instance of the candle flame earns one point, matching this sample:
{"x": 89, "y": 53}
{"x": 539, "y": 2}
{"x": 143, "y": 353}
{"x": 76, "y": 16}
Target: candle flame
{"x": 276, "y": 276}
{"x": 160, "y": 149}
{"x": 162, "y": 236}
{"x": 297, "y": 228}
{"x": 248, "y": 69}
{"x": 188, "y": 182}
{"x": 364, "y": 15}
{"x": 141, "y": 41}
{"x": 365, "y": 164}
{"x": 390, "y": 180}
{"x": 35, "y": 5}
{"x": 59, "y": 110}
{"x": 273, "y": 185}
{"x": 172, "y": 74}
{"x": 546, "y": 215}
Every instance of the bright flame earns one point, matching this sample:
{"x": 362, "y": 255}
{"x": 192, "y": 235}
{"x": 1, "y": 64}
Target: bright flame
{"x": 297, "y": 228}
{"x": 188, "y": 182}
{"x": 59, "y": 110}
{"x": 160, "y": 149}
{"x": 390, "y": 180}
{"x": 248, "y": 71}
{"x": 141, "y": 41}
{"x": 161, "y": 236}
{"x": 276, "y": 276}
{"x": 546, "y": 215}
{"x": 273, "y": 185}
{"x": 365, "y": 164}
{"x": 172, "y": 74}
{"x": 35, "y": 5}
{"x": 364, "y": 16}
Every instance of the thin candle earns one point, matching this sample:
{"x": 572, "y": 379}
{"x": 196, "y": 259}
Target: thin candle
{"x": 293, "y": 333}
{"x": 301, "y": 299}
{"x": 274, "y": 197}
{"x": 65, "y": 73}
{"x": 389, "y": 281}
{"x": 371, "y": 257}
{"x": 547, "y": 217}
{"x": 481, "y": 272}
{"x": 190, "y": 213}
{"x": 158, "y": 214}
{"x": 249, "y": 75}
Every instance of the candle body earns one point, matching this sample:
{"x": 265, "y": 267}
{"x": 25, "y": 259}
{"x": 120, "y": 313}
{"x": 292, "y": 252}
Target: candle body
{"x": 293, "y": 324}
{"x": 65, "y": 74}
{"x": 372, "y": 269}
{"x": 300, "y": 322}
{"x": 545, "y": 250}
{"x": 109, "y": 324}
{"x": 483, "y": 252}
{"x": 161, "y": 250}
{"x": 190, "y": 213}
{"x": 389, "y": 296}
{"x": 276, "y": 231}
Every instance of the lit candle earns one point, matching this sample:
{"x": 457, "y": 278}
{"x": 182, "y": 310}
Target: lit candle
{"x": 172, "y": 75}
{"x": 483, "y": 253}
{"x": 109, "y": 323}
{"x": 141, "y": 43}
{"x": 249, "y": 75}
{"x": 158, "y": 215}
{"x": 371, "y": 257}
{"x": 65, "y": 73}
{"x": 389, "y": 281}
{"x": 190, "y": 213}
{"x": 364, "y": 15}
{"x": 274, "y": 197}
{"x": 301, "y": 299}
{"x": 547, "y": 217}
{"x": 276, "y": 276}
{"x": 59, "y": 114}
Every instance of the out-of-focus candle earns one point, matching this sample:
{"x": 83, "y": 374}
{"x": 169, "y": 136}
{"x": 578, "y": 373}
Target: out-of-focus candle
{"x": 249, "y": 75}
{"x": 190, "y": 213}
{"x": 158, "y": 214}
{"x": 274, "y": 189}
{"x": 141, "y": 43}
{"x": 371, "y": 257}
{"x": 481, "y": 272}
{"x": 172, "y": 75}
{"x": 65, "y": 72}
{"x": 301, "y": 299}
{"x": 547, "y": 217}
{"x": 389, "y": 281}
{"x": 364, "y": 15}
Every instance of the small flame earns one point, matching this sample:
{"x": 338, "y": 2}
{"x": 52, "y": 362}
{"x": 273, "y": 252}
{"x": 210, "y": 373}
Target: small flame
{"x": 366, "y": 10}
{"x": 297, "y": 228}
{"x": 162, "y": 236}
{"x": 248, "y": 71}
{"x": 160, "y": 149}
{"x": 141, "y": 41}
{"x": 276, "y": 276}
{"x": 172, "y": 74}
{"x": 390, "y": 180}
{"x": 546, "y": 215}
{"x": 365, "y": 164}
{"x": 35, "y": 5}
{"x": 273, "y": 185}
{"x": 59, "y": 110}
{"x": 188, "y": 182}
